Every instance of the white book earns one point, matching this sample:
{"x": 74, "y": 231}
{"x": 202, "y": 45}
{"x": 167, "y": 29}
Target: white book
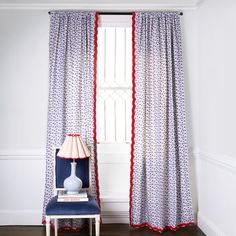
{"x": 63, "y": 194}
{"x": 72, "y": 199}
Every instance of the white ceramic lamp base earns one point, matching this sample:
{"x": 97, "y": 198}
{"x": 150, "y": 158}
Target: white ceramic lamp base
{"x": 73, "y": 184}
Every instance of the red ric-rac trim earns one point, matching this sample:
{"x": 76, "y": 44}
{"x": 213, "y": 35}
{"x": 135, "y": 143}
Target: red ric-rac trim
{"x": 65, "y": 228}
{"x": 160, "y": 230}
{"x": 69, "y": 228}
{"x": 145, "y": 224}
{"x": 132, "y": 118}
{"x": 94, "y": 108}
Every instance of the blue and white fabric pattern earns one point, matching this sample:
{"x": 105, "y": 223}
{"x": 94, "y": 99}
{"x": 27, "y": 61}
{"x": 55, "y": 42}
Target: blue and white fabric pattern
{"x": 160, "y": 194}
{"x": 71, "y": 91}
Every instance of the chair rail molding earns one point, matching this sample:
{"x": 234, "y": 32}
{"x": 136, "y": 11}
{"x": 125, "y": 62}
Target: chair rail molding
{"x": 119, "y": 156}
{"x": 221, "y": 160}
{"x": 22, "y": 154}
{"x": 102, "y": 5}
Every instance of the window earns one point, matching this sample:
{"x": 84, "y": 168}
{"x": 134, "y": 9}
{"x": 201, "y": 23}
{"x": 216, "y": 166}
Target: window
{"x": 114, "y": 78}
{"x": 114, "y": 84}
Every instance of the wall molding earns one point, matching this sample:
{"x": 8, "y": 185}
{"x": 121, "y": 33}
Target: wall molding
{"x": 208, "y": 227}
{"x": 39, "y": 155}
{"x": 118, "y": 156}
{"x": 83, "y": 5}
{"x": 23, "y": 154}
{"x": 115, "y": 208}
{"x": 221, "y": 160}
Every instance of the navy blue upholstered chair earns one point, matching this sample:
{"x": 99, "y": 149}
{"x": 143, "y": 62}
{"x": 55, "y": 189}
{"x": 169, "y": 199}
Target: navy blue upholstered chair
{"x": 67, "y": 210}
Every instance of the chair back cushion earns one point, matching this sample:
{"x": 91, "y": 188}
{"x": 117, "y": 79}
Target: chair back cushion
{"x": 63, "y": 170}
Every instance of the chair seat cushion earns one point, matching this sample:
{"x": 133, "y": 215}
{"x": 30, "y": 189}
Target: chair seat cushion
{"x": 72, "y": 208}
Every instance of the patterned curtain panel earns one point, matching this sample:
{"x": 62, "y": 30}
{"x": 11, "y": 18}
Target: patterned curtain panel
{"x": 160, "y": 190}
{"x": 72, "y": 91}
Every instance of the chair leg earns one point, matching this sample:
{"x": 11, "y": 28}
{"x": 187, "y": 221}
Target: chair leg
{"x": 90, "y": 227}
{"x": 47, "y": 226}
{"x": 56, "y": 226}
{"x": 97, "y": 225}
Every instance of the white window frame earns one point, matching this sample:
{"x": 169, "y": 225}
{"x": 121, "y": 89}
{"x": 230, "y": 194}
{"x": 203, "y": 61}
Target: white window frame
{"x": 114, "y": 21}
{"x": 114, "y": 158}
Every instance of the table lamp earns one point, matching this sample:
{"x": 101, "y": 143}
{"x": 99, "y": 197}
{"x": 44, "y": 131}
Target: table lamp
{"x": 73, "y": 148}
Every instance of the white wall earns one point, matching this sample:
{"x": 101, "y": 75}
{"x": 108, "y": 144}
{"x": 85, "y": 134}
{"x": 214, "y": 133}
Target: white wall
{"x": 24, "y": 79}
{"x": 209, "y": 34}
{"x": 190, "y": 51}
{"x": 217, "y": 113}
{"x": 23, "y": 120}
{"x": 23, "y": 102}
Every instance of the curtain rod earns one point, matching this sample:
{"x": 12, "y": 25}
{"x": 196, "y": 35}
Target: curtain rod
{"x": 122, "y": 13}
{"x": 117, "y": 13}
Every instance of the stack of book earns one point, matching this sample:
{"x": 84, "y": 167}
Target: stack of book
{"x": 80, "y": 197}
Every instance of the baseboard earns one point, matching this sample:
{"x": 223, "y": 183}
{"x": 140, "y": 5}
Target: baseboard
{"x": 109, "y": 217}
{"x": 208, "y": 227}
{"x": 115, "y": 209}
{"x": 33, "y": 217}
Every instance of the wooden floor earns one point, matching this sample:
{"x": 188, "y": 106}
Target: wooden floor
{"x": 106, "y": 230}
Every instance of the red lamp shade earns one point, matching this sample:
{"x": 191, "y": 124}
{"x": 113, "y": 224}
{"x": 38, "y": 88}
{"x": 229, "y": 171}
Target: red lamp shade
{"x": 73, "y": 148}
